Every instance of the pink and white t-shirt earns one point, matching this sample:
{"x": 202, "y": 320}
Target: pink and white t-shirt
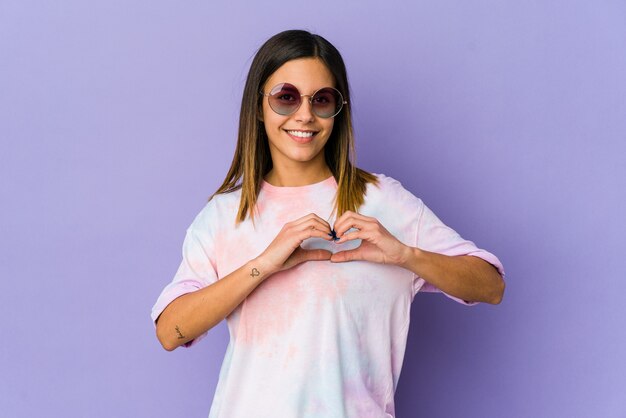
{"x": 321, "y": 339}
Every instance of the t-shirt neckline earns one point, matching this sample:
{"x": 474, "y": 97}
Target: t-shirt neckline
{"x": 307, "y": 188}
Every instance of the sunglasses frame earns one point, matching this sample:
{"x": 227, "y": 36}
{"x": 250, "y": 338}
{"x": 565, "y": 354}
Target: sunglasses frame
{"x": 310, "y": 96}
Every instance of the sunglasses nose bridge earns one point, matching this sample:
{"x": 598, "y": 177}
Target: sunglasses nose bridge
{"x": 308, "y": 107}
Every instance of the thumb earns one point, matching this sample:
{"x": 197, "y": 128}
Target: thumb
{"x": 310, "y": 255}
{"x": 347, "y": 255}
{"x": 301, "y": 255}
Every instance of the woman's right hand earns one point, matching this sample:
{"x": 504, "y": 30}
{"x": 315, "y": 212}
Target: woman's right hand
{"x": 285, "y": 251}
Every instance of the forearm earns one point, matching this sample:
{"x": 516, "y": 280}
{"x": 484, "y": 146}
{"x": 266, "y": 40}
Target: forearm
{"x": 192, "y": 314}
{"x": 467, "y": 277}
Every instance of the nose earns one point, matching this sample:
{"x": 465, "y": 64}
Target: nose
{"x": 305, "y": 111}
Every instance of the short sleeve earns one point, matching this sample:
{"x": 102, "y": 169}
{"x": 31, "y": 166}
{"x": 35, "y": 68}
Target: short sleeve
{"x": 434, "y": 236}
{"x": 197, "y": 270}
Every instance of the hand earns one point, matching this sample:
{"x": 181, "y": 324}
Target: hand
{"x": 285, "y": 251}
{"x": 377, "y": 244}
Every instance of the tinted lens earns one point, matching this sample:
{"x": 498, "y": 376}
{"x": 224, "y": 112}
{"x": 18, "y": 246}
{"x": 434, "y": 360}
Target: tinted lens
{"x": 327, "y": 102}
{"x": 284, "y": 99}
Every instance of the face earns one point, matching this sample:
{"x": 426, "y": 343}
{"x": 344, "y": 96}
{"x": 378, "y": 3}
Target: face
{"x": 300, "y": 137}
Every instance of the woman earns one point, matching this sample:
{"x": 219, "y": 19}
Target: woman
{"x": 313, "y": 262}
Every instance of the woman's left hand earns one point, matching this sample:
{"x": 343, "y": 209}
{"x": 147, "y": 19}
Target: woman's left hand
{"x": 377, "y": 244}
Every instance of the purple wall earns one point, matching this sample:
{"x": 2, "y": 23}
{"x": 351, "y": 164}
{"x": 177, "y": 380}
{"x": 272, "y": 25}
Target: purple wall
{"x": 118, "y": 120}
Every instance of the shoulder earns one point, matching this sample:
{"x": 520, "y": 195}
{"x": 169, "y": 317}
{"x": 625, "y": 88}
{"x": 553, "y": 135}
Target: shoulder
{"x": 217, "y": 211}
{"x": 393, "y": 206}
{"x": 391, "y": 190}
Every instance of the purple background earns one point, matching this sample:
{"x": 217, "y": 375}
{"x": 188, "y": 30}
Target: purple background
{"x": 118, "y": 120}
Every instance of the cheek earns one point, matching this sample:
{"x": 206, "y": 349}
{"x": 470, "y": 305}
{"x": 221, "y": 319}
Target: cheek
{"x": 328, "y": 126}
{"x": 272, "y": 120}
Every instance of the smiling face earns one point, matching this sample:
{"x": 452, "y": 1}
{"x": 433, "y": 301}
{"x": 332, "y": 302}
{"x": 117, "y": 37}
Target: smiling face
{"x": 296, "y": 141}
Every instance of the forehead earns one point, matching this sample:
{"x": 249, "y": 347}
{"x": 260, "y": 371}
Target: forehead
{"x": 307, "y": 74}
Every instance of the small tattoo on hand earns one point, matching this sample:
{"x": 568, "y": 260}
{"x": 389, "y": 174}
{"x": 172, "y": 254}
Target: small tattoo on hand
{"x": 180, "y": 334}
{"x": 255, "y": 272}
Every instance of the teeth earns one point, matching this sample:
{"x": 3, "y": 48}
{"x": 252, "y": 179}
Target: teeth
{"x": 301, "y": 134}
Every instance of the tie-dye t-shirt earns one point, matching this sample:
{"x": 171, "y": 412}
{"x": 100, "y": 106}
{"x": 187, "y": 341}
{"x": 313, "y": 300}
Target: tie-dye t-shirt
{"x": 321, "y": 339}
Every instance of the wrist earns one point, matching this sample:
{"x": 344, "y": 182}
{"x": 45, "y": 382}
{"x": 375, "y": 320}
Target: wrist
{"x": 259, "y": 268}
{"x": 411, "y": 257}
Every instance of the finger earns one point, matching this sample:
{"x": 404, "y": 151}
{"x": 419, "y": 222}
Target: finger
{"x": 300, "y": 255}
{"x": 362, "y": 235}
{"x": 309, "y": 217}
{"x": 352, "y": 222}
{"x": 312, "y": 223}
{"x": 343, "y": 256}
{"x": 316, "y": 255}
{"x": 312, "y": 232}
{"x": 350, "y": 214}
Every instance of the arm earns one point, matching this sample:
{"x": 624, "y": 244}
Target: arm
{"x": 194, "y": 313}
{"x": 463, "y": 276}
{"x": 467, "y": 277}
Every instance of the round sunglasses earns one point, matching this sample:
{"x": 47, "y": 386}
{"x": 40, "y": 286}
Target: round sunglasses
{"x": 285, "y": 99}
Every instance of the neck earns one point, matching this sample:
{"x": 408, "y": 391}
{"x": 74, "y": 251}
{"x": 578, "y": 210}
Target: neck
{"x": 297, "y": 176}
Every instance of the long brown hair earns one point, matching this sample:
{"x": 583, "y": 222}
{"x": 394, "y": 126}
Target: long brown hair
{"x": 252, "y": 159}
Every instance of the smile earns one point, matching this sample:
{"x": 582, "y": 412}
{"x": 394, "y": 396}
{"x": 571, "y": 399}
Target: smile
{"x": 301, "y": 134}
{"x": 302, "y": 137}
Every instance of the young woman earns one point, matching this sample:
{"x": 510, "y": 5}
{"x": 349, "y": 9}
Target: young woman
{"x": 313, "y": 262}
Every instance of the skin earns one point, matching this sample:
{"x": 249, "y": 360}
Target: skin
{"x": 295, "y": 164}
{"x": 466, "y": 277}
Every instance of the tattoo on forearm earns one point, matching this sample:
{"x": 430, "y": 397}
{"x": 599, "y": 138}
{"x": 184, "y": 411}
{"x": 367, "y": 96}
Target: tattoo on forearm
{"x": 255, "y": 272}
{"x": 180, "y": 334}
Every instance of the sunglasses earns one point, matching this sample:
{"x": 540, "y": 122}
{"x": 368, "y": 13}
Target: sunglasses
{"x": 285, "y": 99}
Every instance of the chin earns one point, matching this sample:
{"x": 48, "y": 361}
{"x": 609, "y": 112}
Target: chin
{"x": 303, "y": 158}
